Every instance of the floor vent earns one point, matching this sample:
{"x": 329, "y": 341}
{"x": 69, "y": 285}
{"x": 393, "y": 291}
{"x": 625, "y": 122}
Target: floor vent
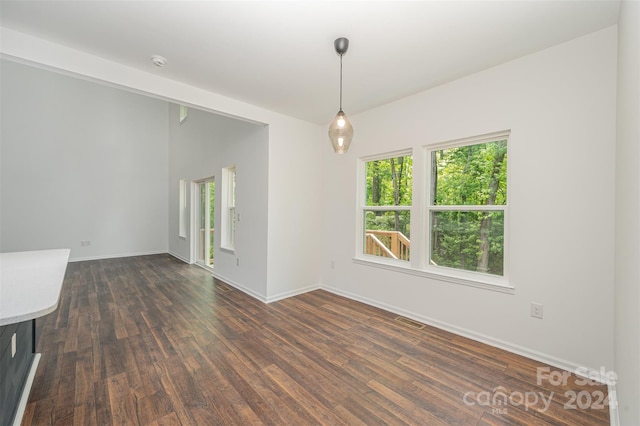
{"x": 223, "y": 288}
{"x": 409, "y": 322}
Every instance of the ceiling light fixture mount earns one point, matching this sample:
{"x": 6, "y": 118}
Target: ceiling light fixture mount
{"x": 158, "y": 61}
{"x": 341, "y": 130}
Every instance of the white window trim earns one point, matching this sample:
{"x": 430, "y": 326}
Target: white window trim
{"x": 193, "y": 216}
{"x": 228, "y": 212}
{"x": 182, "y": 209}
{"x": 420, "y": 210}
{"x": 183, "y": 113}
{"x": 448, "y": 274}
{"x": 478, "y": 277}
{"x": 361, "y": 208}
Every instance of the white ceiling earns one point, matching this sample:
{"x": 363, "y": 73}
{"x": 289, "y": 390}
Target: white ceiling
{"x": 280, "y": 55}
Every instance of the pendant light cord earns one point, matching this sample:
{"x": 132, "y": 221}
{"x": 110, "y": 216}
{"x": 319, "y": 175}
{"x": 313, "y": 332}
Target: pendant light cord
{"x": 341, "y": 82}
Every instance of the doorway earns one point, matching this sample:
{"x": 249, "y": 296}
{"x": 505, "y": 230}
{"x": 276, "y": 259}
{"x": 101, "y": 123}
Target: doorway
{"x": 205, "y": 222}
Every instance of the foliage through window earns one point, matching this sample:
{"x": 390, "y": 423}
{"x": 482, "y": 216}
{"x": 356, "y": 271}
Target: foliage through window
{"x": 184, "y": 112}
{"x": 468, "y": 199}
{"x": 387, "y": 216}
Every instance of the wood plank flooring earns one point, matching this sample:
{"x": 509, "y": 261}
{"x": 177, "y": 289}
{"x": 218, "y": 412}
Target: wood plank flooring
{"x": 152, "y": 341}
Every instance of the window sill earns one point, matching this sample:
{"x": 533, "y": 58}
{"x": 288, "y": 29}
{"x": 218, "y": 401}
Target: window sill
{"x": 230, "y": 250}
{"x": 466, "y": 278}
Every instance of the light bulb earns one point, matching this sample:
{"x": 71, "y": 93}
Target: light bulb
{"x": 340, "y": 142}
{"x": 341, "y": 122}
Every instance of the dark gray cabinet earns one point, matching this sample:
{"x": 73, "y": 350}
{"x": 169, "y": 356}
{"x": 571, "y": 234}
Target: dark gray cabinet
{"x": 30, "y": 287}
{"x": 14, "y": 368}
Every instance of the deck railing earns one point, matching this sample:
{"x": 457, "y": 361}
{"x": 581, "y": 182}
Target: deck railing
{"x": 392, "y": 244}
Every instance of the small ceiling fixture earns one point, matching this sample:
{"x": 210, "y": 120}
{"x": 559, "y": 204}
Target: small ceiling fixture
{"x": 341, "y": 130}
{"x": 159, "y": 61}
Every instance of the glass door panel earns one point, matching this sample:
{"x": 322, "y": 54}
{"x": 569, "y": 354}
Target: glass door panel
{"x": 205, "y": 221}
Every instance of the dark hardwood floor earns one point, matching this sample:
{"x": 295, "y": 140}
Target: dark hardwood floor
{"x": 152, "y": 341}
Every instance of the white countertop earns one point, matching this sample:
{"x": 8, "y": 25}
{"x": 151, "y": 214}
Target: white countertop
{"x": 30, "y": 283}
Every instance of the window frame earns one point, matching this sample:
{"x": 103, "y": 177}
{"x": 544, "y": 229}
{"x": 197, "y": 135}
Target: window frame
{"x": 183, "y": 113}
{"x": 455, "y": 273}
{"x": 362, "y": 208}
{"x": 228, "y": 212}
{"x": 418, "y": 265}
{"x": 182, "y": 209}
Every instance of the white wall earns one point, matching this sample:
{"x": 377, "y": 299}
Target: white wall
{"x": 81, "y": 162}
{"x": 297, "y": 207}
{"x": 560, "y": 106}
{"x": 627, "y": 302}
{"x": 199, "y": 148}
{"x": 295, "y": 154}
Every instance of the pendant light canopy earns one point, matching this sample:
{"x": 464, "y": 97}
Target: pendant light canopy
{"x": 340, "y": 130}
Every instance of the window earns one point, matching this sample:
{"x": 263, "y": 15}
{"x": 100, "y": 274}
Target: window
{"x": 182, "y": 209}
{"x": 184, "y": 112}
{"x": 468, "y": 204}
{"x": 386, "y": 208}
{"x": 229, "y": 215}
{"x": 458, "y": 229}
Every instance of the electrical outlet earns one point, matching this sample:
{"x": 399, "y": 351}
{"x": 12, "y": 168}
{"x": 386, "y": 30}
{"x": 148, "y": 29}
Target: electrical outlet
{"x": 536, "y": 310}
{"x": 13, "y": 345}
{"x": 85, "y": 243}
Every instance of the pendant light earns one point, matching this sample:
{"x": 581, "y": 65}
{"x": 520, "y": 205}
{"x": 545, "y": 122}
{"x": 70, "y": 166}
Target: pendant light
{"x": 340, "y": 130}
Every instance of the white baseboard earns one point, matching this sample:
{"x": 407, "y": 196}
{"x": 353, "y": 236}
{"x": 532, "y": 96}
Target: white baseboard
{"x": 261, "y": 297}
{"x": 115, "y": 256}
{"x": 510, "y": 347}
{"x": 240, "y": 287}
{"x": 589, "y": 373}
{"x": 179, "y": 257}
{"x": 292, "y": 293}
{"x": 614, "y": 413}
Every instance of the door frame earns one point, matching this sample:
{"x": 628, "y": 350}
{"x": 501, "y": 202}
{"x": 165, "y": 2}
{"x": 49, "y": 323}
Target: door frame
{"x": 195, "y": 223}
